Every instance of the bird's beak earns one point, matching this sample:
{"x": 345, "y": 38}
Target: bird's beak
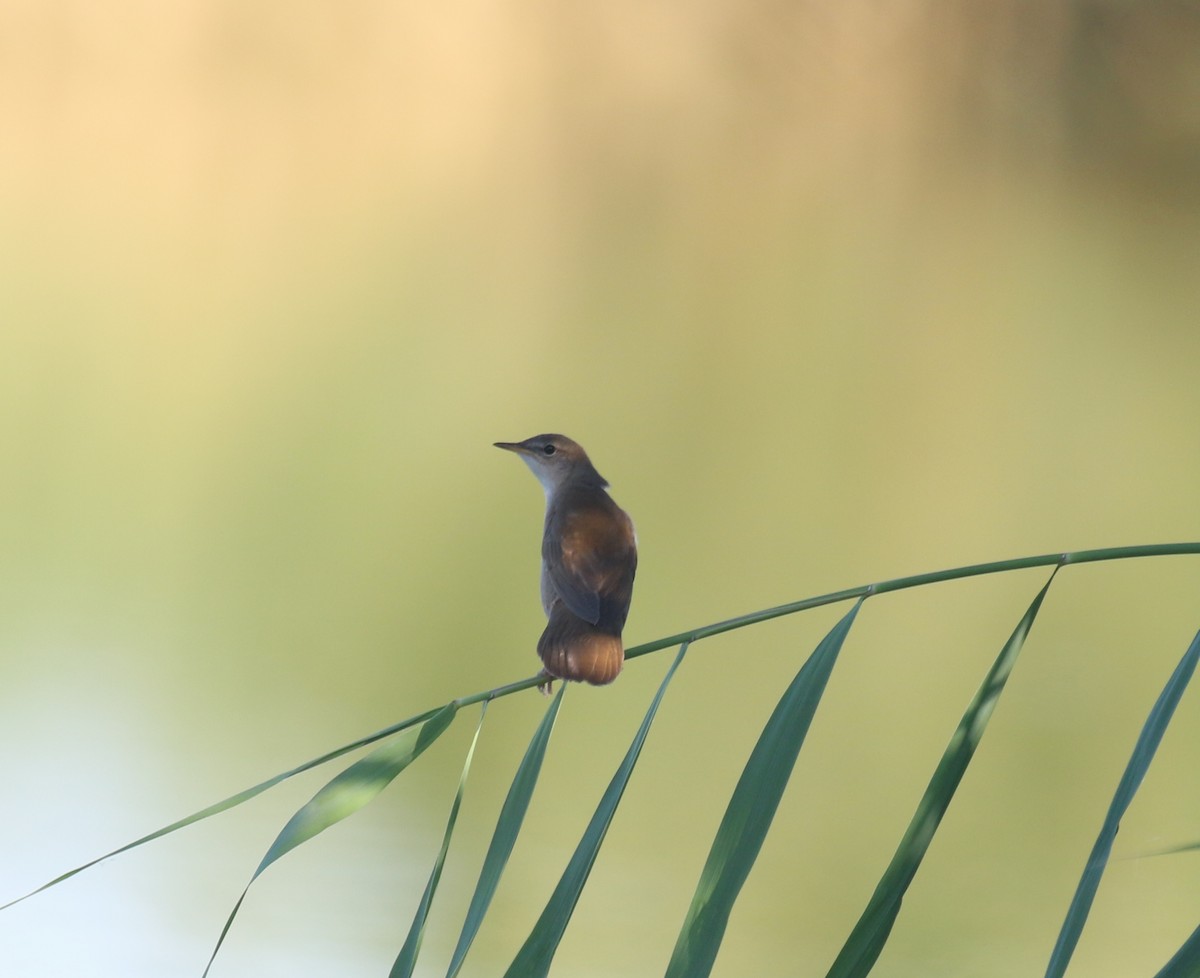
{"x": 510, "y": 446}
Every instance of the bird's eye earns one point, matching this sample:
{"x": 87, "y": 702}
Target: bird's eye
{"x": 548, "y": 449}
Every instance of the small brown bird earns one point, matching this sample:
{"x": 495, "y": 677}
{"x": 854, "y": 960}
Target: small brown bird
{"x": 589, "y": 557}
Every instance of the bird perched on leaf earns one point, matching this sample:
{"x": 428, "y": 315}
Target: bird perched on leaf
{"x": 589, "y": 557}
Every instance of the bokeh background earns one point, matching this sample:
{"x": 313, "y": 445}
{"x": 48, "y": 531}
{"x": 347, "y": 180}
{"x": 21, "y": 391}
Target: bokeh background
{"x": 831, "y": 292}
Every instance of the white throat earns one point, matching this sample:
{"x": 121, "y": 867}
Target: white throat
{"x": 544, "y": 476}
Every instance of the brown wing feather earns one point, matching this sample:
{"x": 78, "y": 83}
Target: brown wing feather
{"x": 590, "y": 554}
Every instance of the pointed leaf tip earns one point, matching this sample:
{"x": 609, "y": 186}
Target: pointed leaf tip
{"x": 752, "y": 808}
{"x": 504, "y": 837}
{"x": 536, "y": 954}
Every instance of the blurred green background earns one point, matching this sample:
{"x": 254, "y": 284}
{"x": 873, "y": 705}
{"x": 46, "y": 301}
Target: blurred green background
{"x": 831, "y": 292}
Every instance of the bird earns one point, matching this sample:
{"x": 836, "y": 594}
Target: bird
{"x": 589, "y": 558}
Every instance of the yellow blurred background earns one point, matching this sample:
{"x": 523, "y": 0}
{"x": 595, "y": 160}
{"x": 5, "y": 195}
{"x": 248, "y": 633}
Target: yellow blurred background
{"x": 831, "y": 292}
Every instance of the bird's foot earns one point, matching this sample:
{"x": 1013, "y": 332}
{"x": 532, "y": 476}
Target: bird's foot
{"x": 546, "y": 685}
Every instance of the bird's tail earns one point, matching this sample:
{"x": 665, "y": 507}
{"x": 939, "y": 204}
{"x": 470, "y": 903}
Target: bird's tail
{"x": 571, "y": 648}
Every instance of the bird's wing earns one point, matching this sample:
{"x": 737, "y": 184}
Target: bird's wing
{"x": 589, "y": 553}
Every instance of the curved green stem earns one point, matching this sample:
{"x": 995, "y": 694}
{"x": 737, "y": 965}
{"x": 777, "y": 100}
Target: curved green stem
{"x": 897, "y": 584}
{"x": 916, "y": 580}
{"x": 866, "y": 590}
